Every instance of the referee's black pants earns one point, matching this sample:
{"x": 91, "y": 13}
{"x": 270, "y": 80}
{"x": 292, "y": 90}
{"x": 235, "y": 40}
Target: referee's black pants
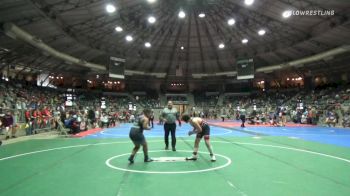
{"x": 242, "y": 117}
{"x": 170, "y": 128}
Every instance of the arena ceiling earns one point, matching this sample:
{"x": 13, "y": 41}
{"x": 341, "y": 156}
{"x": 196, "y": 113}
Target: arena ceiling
{"x": 205, "y": 40}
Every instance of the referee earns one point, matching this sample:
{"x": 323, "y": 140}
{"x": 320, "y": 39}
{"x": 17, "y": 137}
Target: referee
{"x": 170, "y": 115}
{"x": 242, "y": 113}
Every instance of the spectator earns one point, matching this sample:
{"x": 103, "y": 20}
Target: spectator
{"x": 8, "y": 124}
{"x": 331, "y": 119}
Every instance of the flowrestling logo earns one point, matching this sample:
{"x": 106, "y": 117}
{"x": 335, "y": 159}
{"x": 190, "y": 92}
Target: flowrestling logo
{"x": 311, "y": 12}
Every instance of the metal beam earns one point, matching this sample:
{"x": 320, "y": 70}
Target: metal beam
{"x": 173, "y": 50}
{"x": 199, "y": 43}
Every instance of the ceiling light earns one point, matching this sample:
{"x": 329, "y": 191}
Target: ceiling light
{"x": 287, "y": 13}
{"x": 148, "y": 45}
{"x": 118, "y": 29}
{"x": 261, "y": 32}
{"x": 244, "y": 41}
{"x": 221, "y": 45}
{"x": 151, "y": 1}
{"x": 182, "y": 48}
{"x": 248, "y": 2}
{"x": 110, "y": 8}
{"x": 231, "y": 22}
{"x": 129, "y": 38}
{"x": 151, "y": 19}
{"x": 182, "y": 14}
{"x": 201, "y": 15}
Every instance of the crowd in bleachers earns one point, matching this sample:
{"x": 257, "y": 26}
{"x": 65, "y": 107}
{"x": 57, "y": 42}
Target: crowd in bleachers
{"x": 325, "y": 106}
{"x": 181, "y": 99}
{"x": 40, "y": 109}
{"x": 206, "y": 100}
{"x": 147, "y": 101}
{"x": 329, "y": 105}
{"x": 35, "y": 109}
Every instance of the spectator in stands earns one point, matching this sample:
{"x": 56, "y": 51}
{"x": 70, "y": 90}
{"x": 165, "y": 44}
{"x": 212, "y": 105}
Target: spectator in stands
{"x": 72, "y": 124}
{"x": 1, "y": 124}
{"x": 2, "y": 121}
{"x": 37, "y": 119}
{"x": 160, "y": 118}
{"x": 97, "y": 116}
{"x": 91, "y": 117}
{"x": 346, "y": 120}
{"x": 331, "y": 119}
{"x": 112, "y": 119}
{"x": 104, "y": 120}
{"x": 299, "y": 116}
{"x": 151, "y": 118}
{"x": 283, "y": 116}
{"x": 304, "y": 117}
{"x": 8, "y": 124}
{"x": 19, "y": 110}
{"x": 313, "y": 116}
{"x": 29, "y": 121}
{"x": 82, "y": 120}
{"x": 132, "y": 118}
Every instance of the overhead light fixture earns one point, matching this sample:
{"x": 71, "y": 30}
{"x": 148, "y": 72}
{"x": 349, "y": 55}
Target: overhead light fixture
{"x": 119, "y": 29}
{"x": 201, "y": 15}
{"x": 248, "y": 2}
{"x": 182, "y": 48}
{"x": 151, "y": 19}
{"x": 221, "y": 46}
{"x": 244, "y": 41}
{"x": 110, "y": 8}
{"x": 287, "y": 13}
{"x": 151, "y": 1}
{"x": 148, "y": 45}
{"x": 182, "y": 14}
{"x": 129, "y": 38}
{"x": 261, "y": 32}
{"x": 231, "y": 21}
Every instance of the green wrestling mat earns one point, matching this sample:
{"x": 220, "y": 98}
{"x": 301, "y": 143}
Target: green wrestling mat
{"x": 245, "y": 166}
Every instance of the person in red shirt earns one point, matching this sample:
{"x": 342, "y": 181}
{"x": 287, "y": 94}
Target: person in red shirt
{"x": 29, "y": 121}
{"x": 38, "y": 119}
{"x": 46, "y": 115}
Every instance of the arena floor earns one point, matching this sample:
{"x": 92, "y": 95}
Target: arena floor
{"x": 252, "y": 161}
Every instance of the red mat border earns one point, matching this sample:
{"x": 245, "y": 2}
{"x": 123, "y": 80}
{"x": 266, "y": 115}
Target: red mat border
{"x": 238, "y": 124}
{"x": 88, "y": 132}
